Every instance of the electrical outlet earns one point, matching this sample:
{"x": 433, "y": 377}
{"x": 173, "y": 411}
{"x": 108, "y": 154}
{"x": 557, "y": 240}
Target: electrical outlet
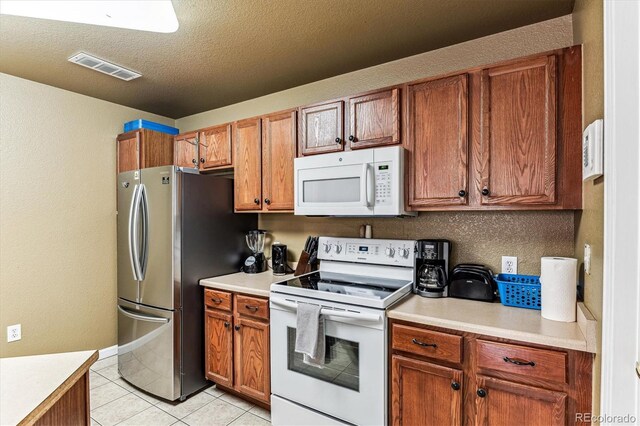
{"x": 509, "y": 265}
{"x": 14, "y": 332}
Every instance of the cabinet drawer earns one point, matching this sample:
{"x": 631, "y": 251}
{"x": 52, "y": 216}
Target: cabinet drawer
{"x": 523, "y": 361}
{"x": 252, "y": 307}
{"x": 217, "y": 299}
{"x": 432, "y": 344}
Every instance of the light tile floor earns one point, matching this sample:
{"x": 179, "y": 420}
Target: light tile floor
{"x": 116, "y": 402}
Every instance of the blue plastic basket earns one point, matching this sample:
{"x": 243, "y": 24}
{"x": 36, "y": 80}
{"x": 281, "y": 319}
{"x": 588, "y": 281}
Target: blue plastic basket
{"x": 145, "y": 124}
{"x": 522, "y": 291}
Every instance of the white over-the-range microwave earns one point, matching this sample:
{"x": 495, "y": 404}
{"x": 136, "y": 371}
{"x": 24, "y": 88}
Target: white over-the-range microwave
{"x": 367, "y": 182}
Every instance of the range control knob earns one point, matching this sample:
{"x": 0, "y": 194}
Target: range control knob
{"x": 404, "y": 252}
{"x": 327, "y": 247}
{"x": 390, "y": 251}
{"x": 338, "y": 248}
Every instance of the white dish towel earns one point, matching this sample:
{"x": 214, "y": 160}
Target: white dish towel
{"x": 310, "y": 334}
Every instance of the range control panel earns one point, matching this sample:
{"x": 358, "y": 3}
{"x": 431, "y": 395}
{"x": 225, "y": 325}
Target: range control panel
{"x": 368, "y": 250}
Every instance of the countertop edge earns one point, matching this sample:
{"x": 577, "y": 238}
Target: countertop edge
{"x": 59, "y": 392}
{"x": 525, "y": 337}
{"x": 233, "y": 288}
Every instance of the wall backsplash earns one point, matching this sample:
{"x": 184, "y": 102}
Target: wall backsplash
{"x": 477, "y": 237}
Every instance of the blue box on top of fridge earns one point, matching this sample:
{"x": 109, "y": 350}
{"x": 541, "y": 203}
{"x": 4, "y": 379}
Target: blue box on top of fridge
{"x": 145, "y": 124}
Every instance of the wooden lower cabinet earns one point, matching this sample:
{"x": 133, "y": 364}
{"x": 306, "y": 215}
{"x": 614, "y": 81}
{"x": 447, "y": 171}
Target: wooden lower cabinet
{"x": 237, "y": 352}
{"x": 504, "y": 403}
{"x": 252, "y": 358}
{"x": 219, "y": 349}
{"x": 496, "y": 381}
{"x": 424, "y": 393}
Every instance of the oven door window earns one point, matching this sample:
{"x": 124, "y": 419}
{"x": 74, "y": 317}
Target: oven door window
{"x": 341, "y": 365}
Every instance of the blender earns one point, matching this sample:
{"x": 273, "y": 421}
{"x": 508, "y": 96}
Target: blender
{"x": 255, "y": 263}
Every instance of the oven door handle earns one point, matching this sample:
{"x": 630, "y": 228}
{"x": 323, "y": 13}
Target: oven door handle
{"x": 363, "y": 316}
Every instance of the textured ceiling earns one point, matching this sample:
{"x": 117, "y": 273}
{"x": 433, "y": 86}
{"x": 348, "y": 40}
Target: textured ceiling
{"x": 227, "y": 51}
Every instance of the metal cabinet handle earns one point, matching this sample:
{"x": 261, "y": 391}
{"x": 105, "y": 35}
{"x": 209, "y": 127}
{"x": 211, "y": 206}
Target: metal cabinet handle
{"x": 216, "y": 301}
{"x": 226, "y": 324}
{"x": 462, "y": 193}
{"x": 194, "y": 161}
{"x": 455, "y": 386}
{"x": 252, "y": 308}
{"x": 426, "y": 345}
{"x": 352, "y": 138}
{"x": 236, "y": 327}
{"x": 338, "y": 141}
{"x": 256, "y": 200}
{"x": 518, "y": 362}
{"x": 485, "y": 191}
{"x": 267, "y": 201}
{"x": 481, "y": 393}
{"x": 202, "y": 160}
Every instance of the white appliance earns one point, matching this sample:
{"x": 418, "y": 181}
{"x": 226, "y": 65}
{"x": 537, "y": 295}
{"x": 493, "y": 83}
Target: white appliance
{"x": 357, "y": 281}
{"x": 367, "y": 182}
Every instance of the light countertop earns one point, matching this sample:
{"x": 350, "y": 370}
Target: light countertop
{"x": 254, "y": 284}
{"x": 30, "y": 385}
{"x": 497, "y": 320}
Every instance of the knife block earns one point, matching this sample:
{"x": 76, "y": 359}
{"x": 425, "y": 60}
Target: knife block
{"x": 304, "y": 266}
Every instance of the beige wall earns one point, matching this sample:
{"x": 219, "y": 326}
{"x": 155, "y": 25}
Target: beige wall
{"x": 548, "y": 35}
{"x": 588, "y": 30}
{"x": 57, "y": 216}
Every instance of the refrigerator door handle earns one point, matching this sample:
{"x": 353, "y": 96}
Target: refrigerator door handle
{"x": 133, "y": 251}
{"x": 140, "y": 317}
{"x": 144, "y": 250}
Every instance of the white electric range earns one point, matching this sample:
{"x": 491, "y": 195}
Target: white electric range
{"x": 357, "y": 281}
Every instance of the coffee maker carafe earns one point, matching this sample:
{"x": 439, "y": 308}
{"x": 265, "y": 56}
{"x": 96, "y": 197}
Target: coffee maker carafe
{"x": 432, "y": 268}
{"x": 256, "y": 262}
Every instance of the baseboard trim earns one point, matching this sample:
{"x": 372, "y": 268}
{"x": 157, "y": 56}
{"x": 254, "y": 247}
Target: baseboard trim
{"x": 107, "y": 352}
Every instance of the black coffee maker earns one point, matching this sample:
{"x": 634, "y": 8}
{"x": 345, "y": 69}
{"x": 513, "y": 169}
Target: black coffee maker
{"x": 432, "y": 268}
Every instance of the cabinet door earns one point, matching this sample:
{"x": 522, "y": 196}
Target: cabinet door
{"x": 321, "y": 128}
{"x": 186, "y": 150}
{"x": 252, "y": 376}
{"x": 425, "y": 394}
{"x": 518, "y": 133}
{"x": 219, "y": 347}
{"x": 374, "y": 119}
{"x": 500, "y": 402}
{"x": 437, "y": 137}
{"x": 215, "y": 147}
{"x": 278, "y": 152}
{"x": 128, "y": 146}
{"x": 248, "y": 165}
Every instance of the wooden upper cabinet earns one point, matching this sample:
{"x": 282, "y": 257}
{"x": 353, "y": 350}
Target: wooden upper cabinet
{"x": 518, "y": 145}
{"x": 252, "y": 368}
{"x": 215, "y": 147}
{"x": 374, "y": 119}
{"x": 423, "y": 393}
{"x": 437, "y": 139}
{"x": 503, "y": 403}
{"x": 128, "y": 147}
{"x": 321, "y": 128}
{"x": 186, "y": 150}
{"x": 248, "y": 164}
{"x": 278, "y": 153}
{"x": 219, "y": 347}
{"x": 142, "y": 149}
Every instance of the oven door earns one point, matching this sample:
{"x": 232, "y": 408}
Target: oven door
{"x": 352, "y": 384}
{"x": 340, "y": 184}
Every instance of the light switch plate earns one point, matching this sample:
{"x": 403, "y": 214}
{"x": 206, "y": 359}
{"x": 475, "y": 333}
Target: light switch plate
{"x": 592, "y": 151}
{"x": 587, "y": 259}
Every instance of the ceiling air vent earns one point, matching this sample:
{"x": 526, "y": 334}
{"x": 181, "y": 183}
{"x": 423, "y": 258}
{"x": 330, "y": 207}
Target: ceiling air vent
{"x": 103, "y": 66}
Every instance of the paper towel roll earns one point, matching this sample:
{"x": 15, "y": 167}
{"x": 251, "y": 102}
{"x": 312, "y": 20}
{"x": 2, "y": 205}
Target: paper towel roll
{"x": 558, "y": 288}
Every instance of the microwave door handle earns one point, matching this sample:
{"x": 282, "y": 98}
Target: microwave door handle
{"x": 370, "y": 180}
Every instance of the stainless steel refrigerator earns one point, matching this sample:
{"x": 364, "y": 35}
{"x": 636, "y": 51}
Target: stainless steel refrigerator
{"x": 175, "y": 227}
